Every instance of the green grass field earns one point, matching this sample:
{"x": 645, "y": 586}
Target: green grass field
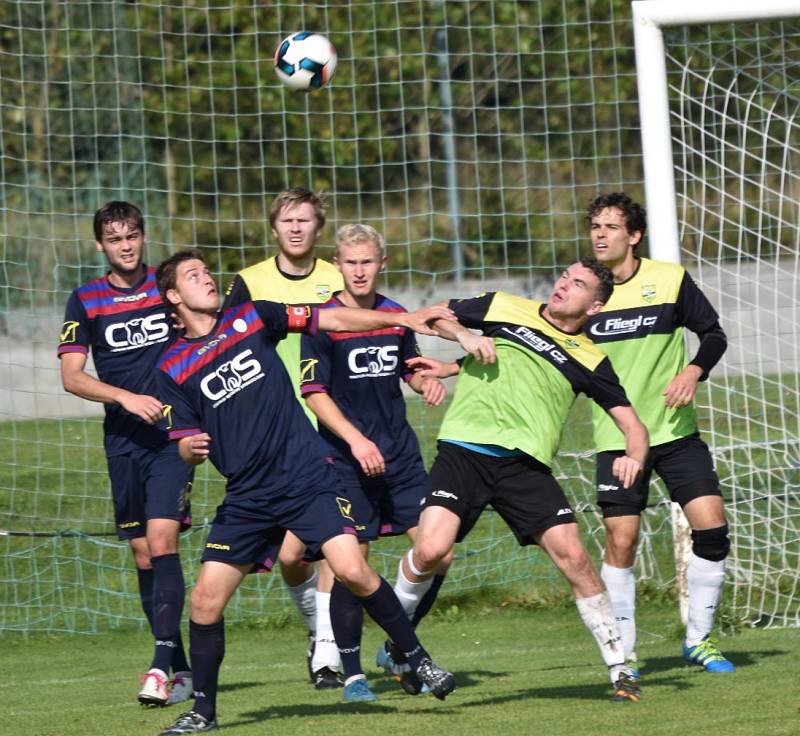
{"x": 520, "y": 670}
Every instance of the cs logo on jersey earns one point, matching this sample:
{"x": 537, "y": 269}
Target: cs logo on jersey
{"x": 372, "y": 361}
{"x": 231, "y": 377}
{"x": 345, "y": 507}
{"x": 136, "y": 333}
{"x": 307, "y": 370}
{"x": 648, "y": 292}
{"x": 69, "y": 332}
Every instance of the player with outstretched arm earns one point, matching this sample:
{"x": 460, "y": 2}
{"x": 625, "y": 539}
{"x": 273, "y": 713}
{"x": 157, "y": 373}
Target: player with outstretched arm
{"x": 229, "y": 399}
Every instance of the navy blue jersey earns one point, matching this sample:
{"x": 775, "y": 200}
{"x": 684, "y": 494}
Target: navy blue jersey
{"x": 126, "y": 330}
{"x": 361, "y": 371}
{"x": 231, "y": 384}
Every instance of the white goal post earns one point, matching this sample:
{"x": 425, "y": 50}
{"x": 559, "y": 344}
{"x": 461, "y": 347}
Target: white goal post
{"x": 658, "y": 123}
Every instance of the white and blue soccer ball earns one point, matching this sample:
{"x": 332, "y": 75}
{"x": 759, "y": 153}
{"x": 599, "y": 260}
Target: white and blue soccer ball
{"x": 305, "y": 61}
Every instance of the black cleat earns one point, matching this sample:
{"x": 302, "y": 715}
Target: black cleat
{"x": 326, "y": 679}
{"x": 440, "y": 681}
{"x": 190, "y": 722}
{"x": 626, "y": 689}
{"x": 312, "y": 643}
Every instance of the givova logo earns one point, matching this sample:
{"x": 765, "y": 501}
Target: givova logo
{"x": 137, "y": 333}
{"x": 372, "y": 361}
{"x": 231, "y": 377}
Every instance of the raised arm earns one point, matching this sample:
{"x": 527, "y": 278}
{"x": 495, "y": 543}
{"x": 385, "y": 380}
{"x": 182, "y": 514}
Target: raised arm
{"x": 77, "y": 381}
{"x": 478, "y": 345}
{"x": 346, "y": 319}
{"x": 627, "y": 467}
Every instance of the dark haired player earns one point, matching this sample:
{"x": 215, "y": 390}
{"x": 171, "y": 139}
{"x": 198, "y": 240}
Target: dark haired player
{"x": 499, "y": 436}
{"x": 351, "y": 381}
{"x": 230, "y": 399}
{"x": 122, "y": 320}
{"x": 641, "y": 328}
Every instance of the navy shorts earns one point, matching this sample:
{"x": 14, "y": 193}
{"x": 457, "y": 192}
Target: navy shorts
{"x": 150, "y": 484}
{"x": 386, "y": 507}
{"x": 250, "y": 530}
{"x": 521, "y": 489}
{"x": 685, "y": 466}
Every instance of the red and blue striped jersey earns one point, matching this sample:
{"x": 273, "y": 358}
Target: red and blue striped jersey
{"x": 362, "y": 371}
{"x": 126, "y": 330}
{"x": 232, "y": 385}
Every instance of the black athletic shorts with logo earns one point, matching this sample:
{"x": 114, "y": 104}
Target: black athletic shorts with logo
{"x": 685, "y": 466}
{"x": 522, "y": 490}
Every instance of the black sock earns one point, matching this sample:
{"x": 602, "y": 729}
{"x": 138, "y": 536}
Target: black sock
{"x": 207, "y": 650}
{"x": 168, "y": 595}
{"x": 146, "y": 593}
{"x": 179, "y": 661}
{"x": 347, "y": 620}
{"x": 427, "y": 600}
{"x": 385, "y": 609}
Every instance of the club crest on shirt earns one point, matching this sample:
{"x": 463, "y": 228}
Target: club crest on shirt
{"x": 345, "y": 507}
{"x": 571, "y": 343}
{"x": 648, "y": 292}
{"x": 323, "y": 292}
{"x": 166, "y": 410}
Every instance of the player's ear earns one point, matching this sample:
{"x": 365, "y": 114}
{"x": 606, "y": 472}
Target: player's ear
{"x": 99, "y": 246}
{"x": 172, "y": 296}
{"x": 635, "y": 238}
{"x": 383, "y": 263}
{"x": 597, "y": 306}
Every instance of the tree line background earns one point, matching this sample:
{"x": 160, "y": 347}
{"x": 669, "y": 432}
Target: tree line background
{"x": 175, "y": 106}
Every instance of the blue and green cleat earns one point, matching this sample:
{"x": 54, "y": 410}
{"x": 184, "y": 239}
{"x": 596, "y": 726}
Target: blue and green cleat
{"x": 707, "y": 655}
{"x": 358, "y": 691}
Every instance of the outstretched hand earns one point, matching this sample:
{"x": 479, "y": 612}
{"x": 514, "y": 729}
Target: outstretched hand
{"x": 420, "y": 320}
{"x": 432, "y": 368}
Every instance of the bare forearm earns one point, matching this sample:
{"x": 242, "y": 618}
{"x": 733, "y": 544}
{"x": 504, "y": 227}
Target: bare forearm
{"x": 330, "y": 415}
{"x": 90, "y": 388}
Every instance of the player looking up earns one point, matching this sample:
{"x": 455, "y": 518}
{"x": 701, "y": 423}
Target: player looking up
{"x": 641, "y": 328}
{"x": 500, "y": 434}
{"x": 296, "y": 276}
{"x": 351, "y": 381}
{"x": 230, "y": 399}
{"x": 120, "y": 317}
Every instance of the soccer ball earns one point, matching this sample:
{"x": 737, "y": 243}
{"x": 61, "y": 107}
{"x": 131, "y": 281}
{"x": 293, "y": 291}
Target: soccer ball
{"x": 305, "y": 61}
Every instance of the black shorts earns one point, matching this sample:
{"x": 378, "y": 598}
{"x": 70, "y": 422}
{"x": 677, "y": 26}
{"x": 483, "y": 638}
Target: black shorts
{"x": 149, "y": 484}
{"x": 685, "y": 466}
{"x": 522, "y": 490}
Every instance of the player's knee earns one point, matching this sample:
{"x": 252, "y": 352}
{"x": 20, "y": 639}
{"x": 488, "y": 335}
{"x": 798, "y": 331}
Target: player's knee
{"x": 354, "y": 573}
{"x": 711, "y": 544}
{"x": 206, "y": 604}
{"x": 428, "y": 554}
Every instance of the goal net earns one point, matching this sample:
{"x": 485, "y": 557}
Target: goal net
{"x": 472, "y": 134}
{"x": 734, "y": 120}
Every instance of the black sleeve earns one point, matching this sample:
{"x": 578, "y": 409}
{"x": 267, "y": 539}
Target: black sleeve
{"x": 713, "y": 343}
{"x": 472, "y": 312}
{"x": 604, "y": 387}
{"x": 695, "y": 312}
{"x": 237, "y": 293}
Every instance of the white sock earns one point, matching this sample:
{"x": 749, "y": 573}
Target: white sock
{"x": 704, "y": 580}
{"x": 326, "y": 653}
{"x": 621, "y": 586}
{"x": 596, "y": 615}
{"x": 410, "y": 594}
{"x": 303, "y": 597}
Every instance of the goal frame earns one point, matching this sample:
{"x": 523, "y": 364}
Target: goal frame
{"x": 650, "y": 17}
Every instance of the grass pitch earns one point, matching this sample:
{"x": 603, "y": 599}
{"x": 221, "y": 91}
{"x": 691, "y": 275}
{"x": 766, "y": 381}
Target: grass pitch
{"x": 519, "y": 671}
